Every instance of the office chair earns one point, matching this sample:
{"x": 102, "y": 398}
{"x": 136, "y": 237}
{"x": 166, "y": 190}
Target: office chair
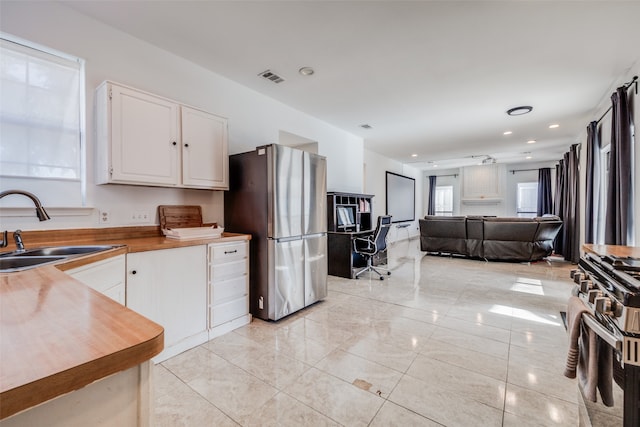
{"x": 373, "y": 244}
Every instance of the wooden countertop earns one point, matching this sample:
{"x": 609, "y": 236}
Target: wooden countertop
{"x": 614, "y": 250}
{"x": 58, "y": 335}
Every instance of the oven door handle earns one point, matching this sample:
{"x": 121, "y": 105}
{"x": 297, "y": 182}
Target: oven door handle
{"x": 609, "y": 337}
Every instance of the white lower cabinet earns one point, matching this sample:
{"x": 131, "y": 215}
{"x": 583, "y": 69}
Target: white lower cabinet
{"x": 106, "y": 276}
{"x": 228, "y": 286}
{"x": 169, "y": 286}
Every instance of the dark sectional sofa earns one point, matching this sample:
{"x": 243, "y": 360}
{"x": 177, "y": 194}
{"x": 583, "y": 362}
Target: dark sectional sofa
{"x": 513, "y": 239}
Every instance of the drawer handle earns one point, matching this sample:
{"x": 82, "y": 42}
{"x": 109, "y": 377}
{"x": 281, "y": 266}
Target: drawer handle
{"x": 231, "y": 252}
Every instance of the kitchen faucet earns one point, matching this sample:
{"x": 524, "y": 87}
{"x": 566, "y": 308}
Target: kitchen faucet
{"x": 40, "y": 213}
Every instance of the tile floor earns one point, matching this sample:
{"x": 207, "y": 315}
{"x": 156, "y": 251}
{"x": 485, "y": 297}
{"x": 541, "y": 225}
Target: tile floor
{"x": 442, "y": 341}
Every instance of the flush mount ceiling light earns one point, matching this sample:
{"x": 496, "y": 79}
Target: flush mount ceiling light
{"x": 366, "y": 126}
{"x": 518, "y": 111}
{"x": 306, "y": 71}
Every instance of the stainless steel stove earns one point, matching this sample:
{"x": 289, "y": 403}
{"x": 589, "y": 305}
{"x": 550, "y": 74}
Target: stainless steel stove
{"x": 610, "y": 288}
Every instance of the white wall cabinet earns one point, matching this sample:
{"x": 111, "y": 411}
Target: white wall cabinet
{"x": 106, "y": 276}
{"x": 169, "y": 286}
{"x": 228, "y": 286}
{"x": 144, "y": 139}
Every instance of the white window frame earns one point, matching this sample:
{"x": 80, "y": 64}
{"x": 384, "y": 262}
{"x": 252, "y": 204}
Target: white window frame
{"x": 439, "y": 208}
{"x": 521, "y": 211}
{"x": 52, "y": 191}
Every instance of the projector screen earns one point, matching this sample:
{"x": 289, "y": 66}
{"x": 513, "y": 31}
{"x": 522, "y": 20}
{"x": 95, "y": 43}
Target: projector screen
{"x": 401, "y": 197}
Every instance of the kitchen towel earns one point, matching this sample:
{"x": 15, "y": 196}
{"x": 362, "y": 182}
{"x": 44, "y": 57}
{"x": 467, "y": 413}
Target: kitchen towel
{"x": 595, "y": 366}
{"x": 575, "y": 308}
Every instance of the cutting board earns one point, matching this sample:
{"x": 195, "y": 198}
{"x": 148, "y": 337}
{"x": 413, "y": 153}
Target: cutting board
{"x": 180, "y": 216}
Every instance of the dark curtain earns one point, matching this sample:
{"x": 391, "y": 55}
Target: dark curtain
{"x": 593, "y": 182}
{"x": 431, "y": 208}
{"x": 569, "y": 205}
{"x": 619, "y": 216}
{"x": 558, "y": 205}
{"x": 545, "y": 203}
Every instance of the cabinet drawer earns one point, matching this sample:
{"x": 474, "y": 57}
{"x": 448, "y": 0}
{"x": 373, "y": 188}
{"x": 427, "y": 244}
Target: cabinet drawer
{"x": 228, "y": 270}
{"x": 227, "y": 252}
{"x": 228, "y": 311}
{"x": 229, "y": 289}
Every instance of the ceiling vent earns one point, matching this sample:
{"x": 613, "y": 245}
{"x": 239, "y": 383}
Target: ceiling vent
{"x": 270, "y": 75}
{"x": 489, "y": 161}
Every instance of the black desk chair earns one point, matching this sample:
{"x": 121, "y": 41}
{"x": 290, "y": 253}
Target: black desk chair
{"x": 373, "y": 244}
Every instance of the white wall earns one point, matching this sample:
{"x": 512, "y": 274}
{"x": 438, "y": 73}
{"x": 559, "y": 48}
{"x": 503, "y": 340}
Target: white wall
{"x": 512, "y": 180}
{"x": 375, "y": 183}
{"x": 110, "y": 54}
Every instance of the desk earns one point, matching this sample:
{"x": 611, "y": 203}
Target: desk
{"x": 343, "y": 259}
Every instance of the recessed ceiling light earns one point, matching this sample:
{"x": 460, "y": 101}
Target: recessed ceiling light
{"x": 518, "y": 111}
{"x": 435, "y": 166}
{"x": 306, "y": 71}
{"x": 553, "y": 126}
{"x": 414, "y": 155}
{"x": 531, "y": 141}
{"x": 508, "y": 132}
{"x": 528, "y": 157}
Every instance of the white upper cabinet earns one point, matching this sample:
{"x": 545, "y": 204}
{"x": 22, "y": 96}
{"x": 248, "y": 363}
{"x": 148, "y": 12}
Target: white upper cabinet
{"x": 144, "y": 139}
{"x": 205, "y": 159}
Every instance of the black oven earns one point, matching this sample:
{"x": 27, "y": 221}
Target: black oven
{"x": 610, "y": 288}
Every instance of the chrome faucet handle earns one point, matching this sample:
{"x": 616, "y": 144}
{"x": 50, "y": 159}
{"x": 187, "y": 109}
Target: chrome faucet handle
{"x": 17, "y": 236}
{"x": 3, "y": 242}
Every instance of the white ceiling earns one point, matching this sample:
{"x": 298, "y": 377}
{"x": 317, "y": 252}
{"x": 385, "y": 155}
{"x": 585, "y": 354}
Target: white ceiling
{"x": 432, "y": 78}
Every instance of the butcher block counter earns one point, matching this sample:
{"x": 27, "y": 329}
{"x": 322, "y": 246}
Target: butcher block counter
{"x": 613, "y": 250}
{"x": 58, "y": 335}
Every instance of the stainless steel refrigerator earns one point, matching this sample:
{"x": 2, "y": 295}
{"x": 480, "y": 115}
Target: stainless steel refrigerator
{"x": 278, "y": 195}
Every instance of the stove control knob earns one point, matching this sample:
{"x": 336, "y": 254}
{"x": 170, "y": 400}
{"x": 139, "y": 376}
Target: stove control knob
{"x": 586, "y": 286}
{"x": 604, "y": 305}
{"x": 593, "y": 294}
{"x": 573, "y": 272}
{"x": 578, "y": 276}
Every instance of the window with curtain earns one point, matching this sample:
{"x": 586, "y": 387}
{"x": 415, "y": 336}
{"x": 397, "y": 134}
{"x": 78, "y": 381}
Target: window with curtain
{"x": 527, "y": 199}
{"x": 444, "y": 200}
{"x": 41, "y": 122}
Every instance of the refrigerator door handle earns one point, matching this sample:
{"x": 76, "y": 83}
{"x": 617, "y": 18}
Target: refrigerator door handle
{"x": 287, "y": 239}
{"x": 314, "y": 235}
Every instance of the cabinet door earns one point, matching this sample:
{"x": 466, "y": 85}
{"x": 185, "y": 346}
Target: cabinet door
{"x": 144, "y": 138}
{"x": 205, "y": 159}
{"x": 106, "y": 276}
{"x": 169, "y": 286}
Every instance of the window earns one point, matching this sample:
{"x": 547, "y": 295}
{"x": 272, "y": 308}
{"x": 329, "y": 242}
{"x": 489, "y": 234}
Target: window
{"x": 527, "y": 199}
{"x": 41, "y": 121}
{"x": 444, "y": 200}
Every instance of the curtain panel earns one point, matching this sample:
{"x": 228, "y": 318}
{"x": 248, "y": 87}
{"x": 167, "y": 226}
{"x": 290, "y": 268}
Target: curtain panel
{"x": 431, "y": 207}
{"x": 619, "y": 215}
{"x": 568, "y": 204}
{"x": 545, "y": 199}
{"x": 592, "y": 196}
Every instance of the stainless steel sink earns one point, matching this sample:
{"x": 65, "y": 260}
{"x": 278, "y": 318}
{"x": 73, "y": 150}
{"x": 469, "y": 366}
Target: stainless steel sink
{"x": 16, "y": 261}
{"x": 13, "y": 263}
{"x": 60, "y": 250}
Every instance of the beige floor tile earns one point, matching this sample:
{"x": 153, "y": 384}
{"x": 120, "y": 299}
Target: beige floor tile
{"x": 480, "y": 344}
{"x": 553, "y": 384}
{"x": 444, "y": 407}
{"x": 183, "y": 407}
{"x": 380, "y": 352}
{"x": 285, "y": 411}
{"x": 275, "y": 369}
{"x": 368, "y": 376}
{"x": 335, "y": 398}
{"x": 466, "y": 358}
{"x": 392, "y": 415}
{"x": 542, "y": 409}
{"x": 454, "y": 379}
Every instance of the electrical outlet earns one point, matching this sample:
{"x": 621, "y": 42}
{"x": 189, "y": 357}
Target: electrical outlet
{"x": 140, "y": 217}
{"x": 104, "y": 217}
